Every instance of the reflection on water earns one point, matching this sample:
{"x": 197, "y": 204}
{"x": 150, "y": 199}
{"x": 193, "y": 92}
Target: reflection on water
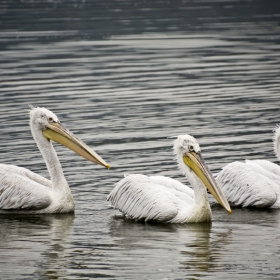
{"x": 142, "y": 245}
{"x": 203, "y": 255}
{"x": 123, "y": 76}
{"x": 55, "y": 262}
{"x": 42, "y": 238}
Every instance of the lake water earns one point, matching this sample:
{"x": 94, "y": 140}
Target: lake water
{"x": 124, "y": 76}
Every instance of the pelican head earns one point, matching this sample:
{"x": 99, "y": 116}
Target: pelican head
{"x": 48, "y": 123}
{"x": 188, "y": 153}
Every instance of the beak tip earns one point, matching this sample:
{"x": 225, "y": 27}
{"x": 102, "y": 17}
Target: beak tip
{"x": 108, "y": 166}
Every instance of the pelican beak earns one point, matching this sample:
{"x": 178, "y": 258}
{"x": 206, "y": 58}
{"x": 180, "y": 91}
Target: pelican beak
{"x": 195, "y": 161}
{"x": 60, "y": 134}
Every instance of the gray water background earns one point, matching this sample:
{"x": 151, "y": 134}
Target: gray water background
{"x": 124, "y": 76}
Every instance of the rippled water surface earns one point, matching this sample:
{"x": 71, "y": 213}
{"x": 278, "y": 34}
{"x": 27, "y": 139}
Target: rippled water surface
{"x": 124, "y": 76}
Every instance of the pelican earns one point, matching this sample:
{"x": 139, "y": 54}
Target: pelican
{"x": 162, "y": 199}
{"x": 24, "y": 192}
{"x": 253, "y": 183}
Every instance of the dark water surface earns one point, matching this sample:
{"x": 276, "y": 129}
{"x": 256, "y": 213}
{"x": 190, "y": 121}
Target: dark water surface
{"x": 123, "y": 76}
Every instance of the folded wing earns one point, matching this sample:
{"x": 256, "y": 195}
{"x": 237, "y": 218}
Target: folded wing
{"x": 22, "y": 189}
{"x": 244, "y": 186}
{"x": 142, "y": 197}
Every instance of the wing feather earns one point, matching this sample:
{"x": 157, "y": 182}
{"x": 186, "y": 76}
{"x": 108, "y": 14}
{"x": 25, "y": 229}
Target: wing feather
{"x": 16, "y": 170}
{"x": 265, "y": 167}
{"x": 245, "y": 187}
{"x": 271, "y": 173}
{"x": 139, "y": 197}
{"x": 18, "y": 191}
{"x": 173, "y": 184}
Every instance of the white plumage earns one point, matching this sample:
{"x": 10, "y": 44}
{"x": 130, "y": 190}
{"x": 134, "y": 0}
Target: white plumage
{"x": 253, "y": 182}
{"x": 162, "y": 199}
{"x": 24, "y": 192}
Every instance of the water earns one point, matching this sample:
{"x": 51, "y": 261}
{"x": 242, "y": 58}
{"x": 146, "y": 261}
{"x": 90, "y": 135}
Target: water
{"x": 123, "y": 76}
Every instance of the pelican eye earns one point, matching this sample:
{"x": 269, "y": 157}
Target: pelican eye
{"x": 191, "y": 149}
{"x": 50, "y": 119}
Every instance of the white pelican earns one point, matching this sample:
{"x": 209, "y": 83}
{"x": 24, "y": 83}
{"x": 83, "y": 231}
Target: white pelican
{"x": 24, "y": 192}
{"x": 253, "y": 182}
{"x": 162, "y": 199}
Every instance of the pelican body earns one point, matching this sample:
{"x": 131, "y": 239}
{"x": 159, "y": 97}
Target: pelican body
{"x": 24, "y": 192}
{"x": 253, "y": 183}
{"x": 162, "y": 199}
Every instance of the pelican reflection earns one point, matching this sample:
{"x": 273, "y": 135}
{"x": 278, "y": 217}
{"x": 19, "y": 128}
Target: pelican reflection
{"x": 193, "y": 248}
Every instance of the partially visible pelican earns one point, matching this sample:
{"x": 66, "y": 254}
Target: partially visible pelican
{"x": 24, "y": 192}
{"x": 253, "y": 182}
{"x": 162, "y": 199}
